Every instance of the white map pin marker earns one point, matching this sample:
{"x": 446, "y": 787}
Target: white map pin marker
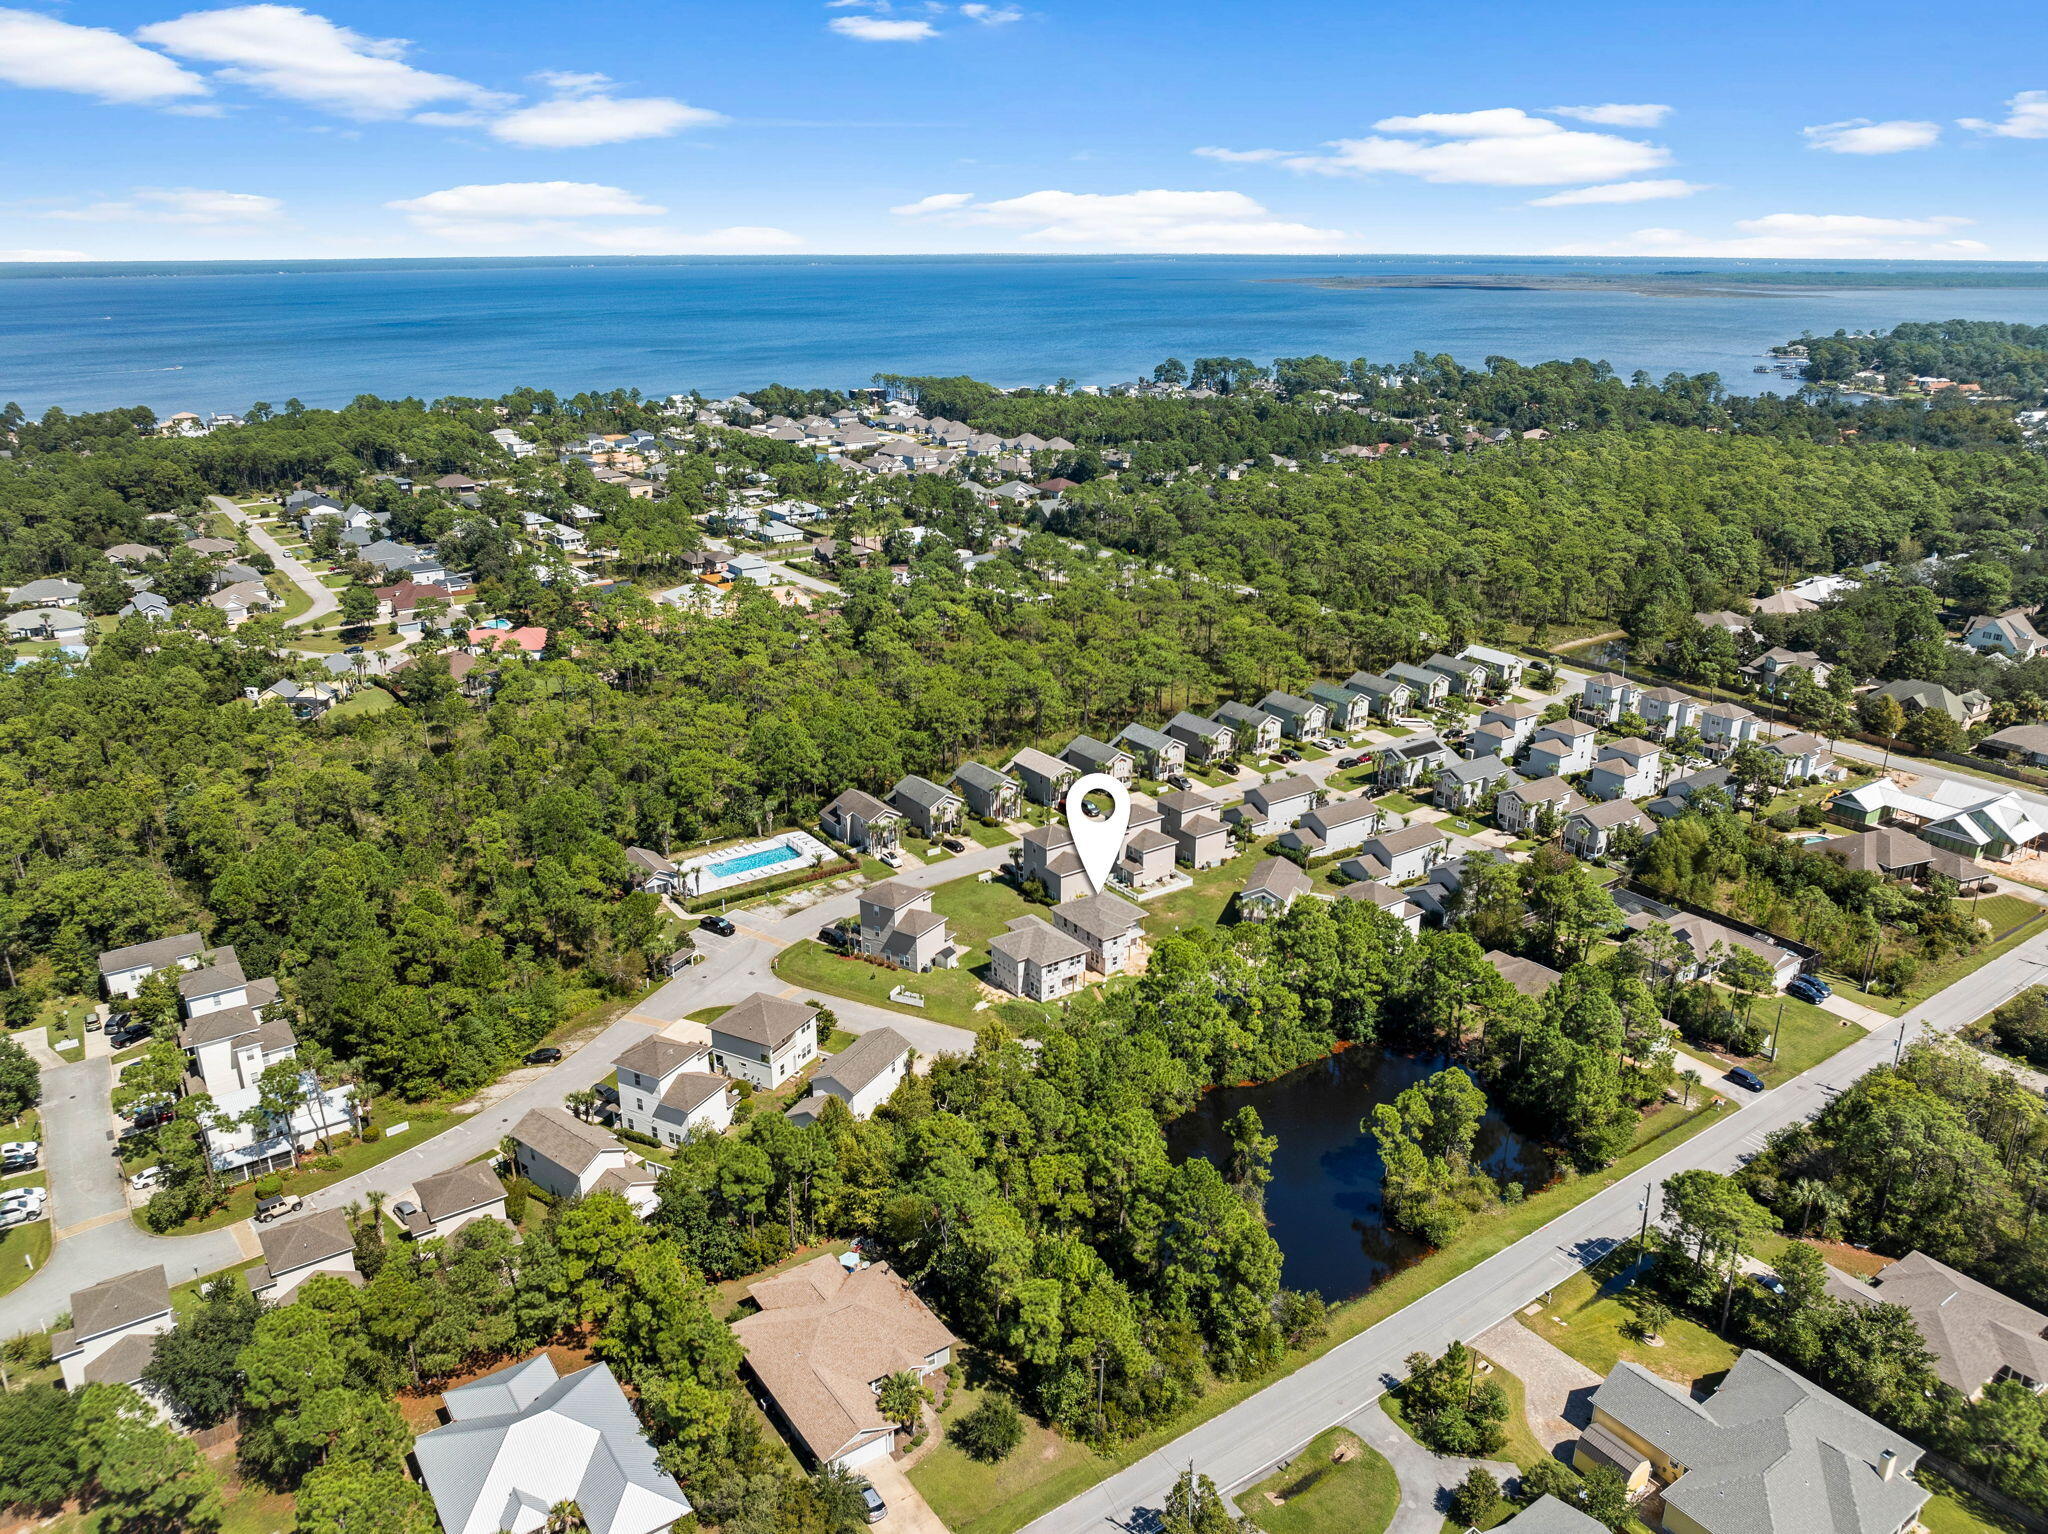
{"x": 1098, "y": 843}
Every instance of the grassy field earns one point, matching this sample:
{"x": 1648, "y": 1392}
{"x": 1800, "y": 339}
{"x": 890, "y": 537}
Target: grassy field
{"x": 1951, "y": 1510}
{"x": 65, "y": 1017}
{"x": 1337, "y": 1485}
{"x": 368, "y": 700}
{"x": 1806, "y": 1036}
{"x": 989, "y": 836}
{"x": 1399, "y": 803}
{"x": 1203, "y": 902}
{"x": 950, "y": 994}
{"x": 23, "y": 1248}
{"x": 971, "y": 1498}
{"x": 1588, "y": 1322}
{"x": 2013, "y": 920}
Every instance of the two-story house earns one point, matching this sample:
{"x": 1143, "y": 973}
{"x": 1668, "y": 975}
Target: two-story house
{"x": 1395, "y": 857}
{"x": 764, "y": 1039}
{"x": 1108, "y": 926}
{"x": 1046, "y": 778}
{"x": 1724, "y": 726}
{"x": 1036, "y": 960}
{"x": 1347, "y": 710}
{"x": 567, "y": 1158}
{"x": 1086, "y": 754}
{"x": 862, "y": 1076}
{"x": 862, "y": 822}
{"x": 1590, "y": 832}
{"x": 447, "y": 1201}
{"x": 1271, "y": 889}
{"x": 1626, "y": 769}
{"x": 1202, "y": 740}
{"x": 1258, "y": 732}
{"x": 1156, "y": 753}
{"x": 1507, "y": 669}
{"x": 1606, "y": 697}
{"x": 1460, "y": 784}
{"x": 990, "y": 794}
{"x": 1384, "y": 696}
{"x": 899, "y": 926}
{"x": 1468, "y": 678}
{"x": 1335, "y": 827}
{"x": 1561, "y": 749}
{"x": 1799, "y": 755}
{"x": 1277, "y": 804}
{"x": 1404, "y": 763}
{"x": 1426, "y": 688}
{"x": 2011, "y": 634}
{"x": 1666, "y": 711}
{"x": 927, "y": 806}
{"x": 1521, "y": 807}
{"x": 668, "y": 1091}
{"x": 114, "y": 1328}
{"x": 1200, "y": 838}
{"x": 1299, "y": 717}
{"x": 122, "y": 970}
{"x": 1516, "y": 721}
{"x": 297, "y": 1249}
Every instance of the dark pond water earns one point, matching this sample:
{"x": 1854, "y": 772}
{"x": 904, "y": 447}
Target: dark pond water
{"x": 1323, "y": 1203}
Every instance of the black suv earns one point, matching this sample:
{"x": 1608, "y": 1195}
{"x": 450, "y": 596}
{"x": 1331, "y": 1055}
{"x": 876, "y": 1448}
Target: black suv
{"x": 717, "y": 924}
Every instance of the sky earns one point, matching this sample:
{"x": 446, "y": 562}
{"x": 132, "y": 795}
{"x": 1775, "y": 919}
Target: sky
{"x": 148, "y": 131}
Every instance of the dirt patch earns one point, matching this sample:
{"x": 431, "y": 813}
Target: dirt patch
{"x": 1851, "y": 1259}
{"x": 422, "y": 1408}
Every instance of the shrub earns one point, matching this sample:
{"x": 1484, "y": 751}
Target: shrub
{"x": 325, "y": 1163}
{"x": 515, "y": 1204}
{"x": 990, "y": 1432}
{"x": 1475, "y": 1499}
{"x": 269, "y": 1185}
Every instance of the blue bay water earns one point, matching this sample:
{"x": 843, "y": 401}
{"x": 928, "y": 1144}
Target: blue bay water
{"x": 218, "y": 336}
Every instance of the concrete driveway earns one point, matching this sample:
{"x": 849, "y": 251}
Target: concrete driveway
{"x": 324, "y": 599}
{"x": 908, "y": 1512}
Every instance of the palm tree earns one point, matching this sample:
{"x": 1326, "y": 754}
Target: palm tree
{"x": 564, "y": 1517}
{"x": 1810, "y": 1194}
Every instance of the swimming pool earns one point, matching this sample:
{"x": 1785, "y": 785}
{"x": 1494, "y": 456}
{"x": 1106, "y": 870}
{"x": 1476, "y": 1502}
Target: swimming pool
{"x": 767, "y": 857}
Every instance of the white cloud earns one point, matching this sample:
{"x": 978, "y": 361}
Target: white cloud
{"x": 1619, "y": 191}
{"x": 1795, "y": 236}
{"x": 1859, "y": 135}
{"x": 1149, "y": 220}
{"x": 2026, "y": 117}
{"x": 178, "y": 205}
{"x": 1243, "y": 156}
{"x": 44, "y": 255}
{"x": 47, "y": 54}
{"x": 876, "y": 29}
{"x": 568, "y": 82}
{"x": 529, "y": 199}
{"x": 577, "y": 121}
{"x": 547, "y": 217}
{"x": 287, "y": 52}
{"x": 992, "y": 15}
{"x": 938, "y": 202}
{"x": 1501, "y": 146}
{"x": 1618, "y": 115}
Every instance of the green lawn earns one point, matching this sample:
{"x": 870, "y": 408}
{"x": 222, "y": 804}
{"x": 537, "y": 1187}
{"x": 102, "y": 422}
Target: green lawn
{"x": 990, "y": 836}
{"x": 950, "y": 994}
{"x": 292, "y": 599}
{"x": 1951, "y": 1510}
{"x": 2013, "y": 919}
{"x": 1398, "y": 802}
{"x": 1203, "y": 902}
{"x": 1587, "y": 1323}
{"x": 368, "y": 700}
{"x": 977, "y": 1499}
{"x": 65, "y": 1017}
{"x": 1460, "y": 825}
{"x": 23, "y": 1251}
{"x": 1320, "y": 1493}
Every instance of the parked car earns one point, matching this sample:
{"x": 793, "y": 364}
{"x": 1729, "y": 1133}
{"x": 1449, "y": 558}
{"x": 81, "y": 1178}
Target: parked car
{"x": 1810, "y": 988}
{"x": 278, "y": 1206}
{"x": 1290, "y": 756}
{"x": 150, "y": 1114}
{"x": 718, "y": 924}
{"x": 1743, "y": 1076}
{"x": 835, "y": 937}
{"x": 18, "y": 1214}
{"x": 607, "y": 1095}
{"x": 404, "y": 1210}
{"x": 952, "y": 844}
{"x": 34, "y": 1200}
{"x": 892, "y": 857}
{"x": 1324, "y": 743}
{"x": 148, "y": 1177}
{"x": 20, "y": 1155}
{"x": 871, "y": 1501}
{"x": 547, "y": 1054}
{"x": 132, "y": 1032}
{"x": 1354, "y": 761}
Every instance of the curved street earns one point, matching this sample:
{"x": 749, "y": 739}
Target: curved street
{"x": 325, "y": 602}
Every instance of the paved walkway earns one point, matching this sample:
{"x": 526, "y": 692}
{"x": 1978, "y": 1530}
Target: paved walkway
{"x": 1426, "y": 1479}
{"x": 1557, "y": 1387}
{"x": 324, "y": 599}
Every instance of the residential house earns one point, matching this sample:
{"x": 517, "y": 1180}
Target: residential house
{"x": 1520, "y": 807}
{"x": 1666, "y": 711}
{"x": 651, "y": 871}
{"x": 567, "y": 1158}
{"x": 1200, "y": 839}
{"x": 1464, "y": 785}
{"x": 1037, "y": 961}
{"x": 1299, "y": 717}
{"x": 1468, "y": 678}
{"x": 1799, "y": 756}
{"x": 1404, "y": 763}
{"x": 1334, "y": 827}
{"x": 1589, "y": 832}
{"x": 1395, "y": 857}
{"x": 1724, "y": 726}
{"x": 2024, "y": 743}
{"x": 1086, "y": 754}
{"x": 1966, "y": 709}
{"x": 1977, "y": 820}
{"x": 668, "y": 1091}
{"x": 1776, "y": 668}
{"x": 899, "y": 927}
{"x": 1506, "y": 669}
{"x": 1346, "y": 710}
{"x": 523, "y": 1440}
{"x": 1385, "y": 696}
{"x": 1525, "y": 975}
{"x": 990, "y": 794}
{"x": 862, "y": 822}
{"x": 447, "y": 1201}
{"x": 932, "y": 809}
{"x": 133, "y": 554}
{"x": 1147, "y": 859}
{"x": 862, "y": 1076}
{"x": 1562, "y": 748}
{"x": 1978, "y": 1336}
{"x": 1426, "y": 688}
{"x": 1272, "y": 887}
{"x": 1606, "y": 697}
{"x": 1710, "y": 941}
{"x": 1517, "y": 721}
{"x": 241, "y": 601}
{"x": 113, "y": 1331}
{"x": 53, "y": 625}
{"x": 1108, "y": 926}
{"x": 1276, "y": 804}
{"x": 1154, "y": 751}
{"x": 764, "y": 1039}
{"x": 750, "y": 567}
{"x": 1202, "y": 740}
{"x": 826, "y": 1334}
{"x": 1046, "y": 854}
{"x": 54, "y": 591}
{"x": 146, "y": 604}
{"x": 122, "y": 970}
{"x": 1394, "y": 902}
{"x": 1678, "y": 792}
{"x": 1737, "y": 624}
{"x": 1766, "y": 1450}
{"x": 1547, "y": 1515}
{"x": 2011, "y": 634}
{"x": 1626, "y": 769}
{"x": 1258, "y": 732}
{"x": 1046, "y": 778}
{"x": 296, "y": 1250}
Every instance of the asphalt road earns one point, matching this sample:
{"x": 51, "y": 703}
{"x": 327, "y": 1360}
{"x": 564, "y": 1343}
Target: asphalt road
{"x": 1243, "y": 1443}
{"x": 325, "y": 601}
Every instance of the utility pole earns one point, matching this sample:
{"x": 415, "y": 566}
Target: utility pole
{"x": 1643, "y": 1238}
{"x": 1899, "y": 1045}
{"x": 1777, "y": 1028}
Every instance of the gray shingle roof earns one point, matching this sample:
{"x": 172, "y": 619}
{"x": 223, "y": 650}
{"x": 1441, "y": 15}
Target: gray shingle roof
{"x": 155, "y": 954}
{"x": 1032, "y": 940}
{"x": 1972, "y": 1329}
{"x": 315, "y": 1238}
{"x": 122, "y": 1301}
{"x": 980, "y": 775}
{"x": 459, "y": 1188}
{"x": 765, "y": 1020}
{"x": 922, "y": 792}
{"x": 1104, "y": 917}
{"x": 1277, "y": 877}
{"x": 563, "y": 1138}
{"x": 863, "y": 1061}
{"x": 655, "y": 1056}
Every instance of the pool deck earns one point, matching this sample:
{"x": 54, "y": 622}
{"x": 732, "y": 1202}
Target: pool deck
{"x": 698, "y": 877}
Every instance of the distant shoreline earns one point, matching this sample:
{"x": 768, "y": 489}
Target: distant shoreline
{"x": 1774, "y": 284}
